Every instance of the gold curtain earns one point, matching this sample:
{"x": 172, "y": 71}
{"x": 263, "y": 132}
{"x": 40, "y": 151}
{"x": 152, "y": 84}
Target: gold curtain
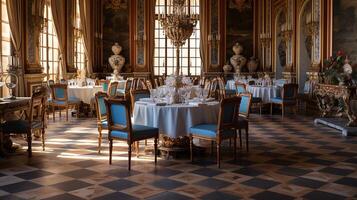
{"x": 203, "y": 34}
{"x": 86, "y": 23}
{"x": 15, "y": 11}
{"x": 58, "y": 8}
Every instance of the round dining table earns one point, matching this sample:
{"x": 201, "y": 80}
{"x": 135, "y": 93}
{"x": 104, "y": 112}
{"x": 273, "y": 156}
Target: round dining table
{"x": 175, "y": 120}
{"x": 266, "y": 93}
{"x": 85, "y": 94}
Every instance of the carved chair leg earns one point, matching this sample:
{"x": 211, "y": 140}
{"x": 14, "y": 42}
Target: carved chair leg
{"x": 67, "y": 113}
{"x": 271, "y": 108}
{"x": 260, "y": 108}
{"x": 191, "y": 147}
{"x": 99, "y": 139}
{"x": 155, "y": 149}
{"x": 77, "y": 108}
{"x": 235, "y": 147}
{"x": 282, "y": 111}
{"x": 43, "y": 138}
{"x": 240, "y": 138}
{"x": 29, "y": 143}
{"x": 219, "y": 153}
{"x": 212, "y": 147}
{"x": 247, "y": 139}
{"x": 129, "y": 156}
{"x": 53, "y": 113}
{"x": 137, "y": 148}
{"x": 110, "y": 150}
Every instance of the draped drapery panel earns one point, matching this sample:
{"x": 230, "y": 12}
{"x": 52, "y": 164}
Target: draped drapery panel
{"x": 15, "y": 10}
{"x": 203, "y": 34}
{"x": 58, "y": 8}
{"x": 86, "y": 23}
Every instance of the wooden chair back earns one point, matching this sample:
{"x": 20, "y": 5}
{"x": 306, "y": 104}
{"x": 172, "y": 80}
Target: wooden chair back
{"x": 37, "y": 106}
{"x": 104, "y": 84}
{"x": 228, "y": 113}
{"x": 156, "y": 82}
{"x": 289, "y": 91}
{"x": 246, "y": 101}
{"x": 100, "y": 105}
{"x": 136, "y": 95}
{"x": 112, "y": 91}
{"x": 149, "y": 85}
{"x": 59, "y": 92}
{"x": 240, "y": 88}
{"x": 118, "y": 116}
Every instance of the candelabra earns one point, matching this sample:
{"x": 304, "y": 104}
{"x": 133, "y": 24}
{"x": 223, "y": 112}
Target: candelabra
{"x": 286, "y": 32}
{"x": 312, "y": 28}
{"x": 178, "y": 23}
{"x": 214, "y": 39}
{"x": 265, "y": 39}
{"x": 140, "y": 38}
{"x": 312, "y": 25}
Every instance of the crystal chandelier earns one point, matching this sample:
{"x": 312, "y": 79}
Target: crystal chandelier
{"x": 178, "y": 23}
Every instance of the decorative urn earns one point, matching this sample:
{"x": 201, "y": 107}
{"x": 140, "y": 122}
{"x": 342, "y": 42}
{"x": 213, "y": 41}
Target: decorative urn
{"x": 238, "y": 61}
{"x": 116, "y": 61}
{"x": 227, "y": 68}
{"x": 253, "y": 64}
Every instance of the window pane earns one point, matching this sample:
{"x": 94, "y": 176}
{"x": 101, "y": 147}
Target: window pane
{"x": 189, "y": 55}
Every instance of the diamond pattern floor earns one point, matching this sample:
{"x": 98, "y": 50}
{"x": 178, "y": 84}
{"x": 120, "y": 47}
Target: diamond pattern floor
{"x": 288, "y": 159}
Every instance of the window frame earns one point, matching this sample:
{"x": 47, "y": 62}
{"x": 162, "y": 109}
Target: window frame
{"x": 165, "y": 64}
{"x": 48, "y": 35}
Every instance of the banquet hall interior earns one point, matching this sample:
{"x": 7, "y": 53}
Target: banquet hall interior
{"x": 178, "y": 99}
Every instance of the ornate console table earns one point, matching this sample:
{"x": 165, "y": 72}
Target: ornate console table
{"x": 334, "y": 102}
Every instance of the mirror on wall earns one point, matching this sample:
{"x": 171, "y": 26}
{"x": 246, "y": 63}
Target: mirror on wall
{"x": 304, "y": 43}
{"x": 280, "y": 45}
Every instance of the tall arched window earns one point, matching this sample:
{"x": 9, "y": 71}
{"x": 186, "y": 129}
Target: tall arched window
{"x": 79, "y": 55}
{"x": 49, "y": 47}
{"x": 5, "y": 50}
{"x": 164, "y": 51}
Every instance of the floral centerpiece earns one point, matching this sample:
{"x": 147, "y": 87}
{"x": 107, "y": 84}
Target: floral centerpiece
{"x": 338, "y": 70}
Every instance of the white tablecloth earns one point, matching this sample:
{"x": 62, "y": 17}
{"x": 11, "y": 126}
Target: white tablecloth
{"x": 266, "y": 93}
{"x": 85, "y": 94}
{"x": 175, "y": 120}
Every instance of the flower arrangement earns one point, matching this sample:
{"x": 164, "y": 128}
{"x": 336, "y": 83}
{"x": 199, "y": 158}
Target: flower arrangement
{"x": 338, "y": 71}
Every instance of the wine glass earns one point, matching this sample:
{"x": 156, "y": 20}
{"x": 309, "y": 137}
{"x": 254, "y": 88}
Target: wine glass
{"x": 11, "y": 81}
{"x": 187, "y": 96}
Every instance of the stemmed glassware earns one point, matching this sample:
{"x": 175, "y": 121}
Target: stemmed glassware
{"x": 11, "y": 81}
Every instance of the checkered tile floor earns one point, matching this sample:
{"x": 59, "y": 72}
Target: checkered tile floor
{"x": 288, "y": 159}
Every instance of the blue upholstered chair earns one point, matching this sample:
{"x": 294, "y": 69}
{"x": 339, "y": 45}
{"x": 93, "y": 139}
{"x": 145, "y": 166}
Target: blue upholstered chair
{"x": 112, "y": 91}
{"x": 224, "y": 129}
{"x": 104, "y": 84}
{"x": 255, "y": 101}
{"x": 120, "y": 127}
{"x": 240, "y": 88}
{"x": 60, "y": 100}
{"x": 288, "y": 98}
{"x": 34, "y": 122}
{"x": 243, "y": 122}
{"x": 101, "y": 111}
